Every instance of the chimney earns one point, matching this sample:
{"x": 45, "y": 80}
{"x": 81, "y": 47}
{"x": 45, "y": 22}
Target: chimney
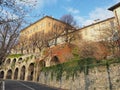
{"x": 96, "y": 20}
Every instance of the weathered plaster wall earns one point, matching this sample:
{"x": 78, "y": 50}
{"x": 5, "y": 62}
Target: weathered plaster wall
{"x": 97, "y": 79}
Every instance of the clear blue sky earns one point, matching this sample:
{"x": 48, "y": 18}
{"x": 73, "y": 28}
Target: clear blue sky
{"x": 84, "y": 11}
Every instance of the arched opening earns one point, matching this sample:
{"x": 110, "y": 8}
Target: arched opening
{"x": 40, "y": 65}
{"x": 9, "y": 74}
{"x": 8, "y": 61}
{"x": 20, "y": 59}
{"x": 14, "y": 60}
{"x": 54, "y": 60}
{"x": 22, "y": 75}
{"x": 27, "y": 50}
{"x": 30, "y": 72}
{"x": 2, "y": 74}
{"x": 16, "y": 73}
{"x": 33, "y": 50}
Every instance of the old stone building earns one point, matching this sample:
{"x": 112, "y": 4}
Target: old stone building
{"x": 28, "y": 65}
{"x": 46, "y": 24}
{"x": 99, "y": 31}
{"x": 47, "y": 27}
{"x": 116, "y": 10}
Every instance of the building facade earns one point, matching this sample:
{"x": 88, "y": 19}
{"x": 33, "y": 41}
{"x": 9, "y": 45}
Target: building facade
{"x": 47, "y": 27}
{"x": 99, "y": 31}
{"x": 116, "y": 11}
{"x": 27, "y": 67}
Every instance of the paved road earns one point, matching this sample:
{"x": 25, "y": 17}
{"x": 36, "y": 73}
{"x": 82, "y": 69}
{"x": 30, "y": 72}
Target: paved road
{"x": 20, "y": 85}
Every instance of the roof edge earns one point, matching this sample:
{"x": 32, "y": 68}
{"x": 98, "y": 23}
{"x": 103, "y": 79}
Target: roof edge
{"x": 42, "y": 19}
{"x": 114, "y": 6}
{"x": 96, "y": 23}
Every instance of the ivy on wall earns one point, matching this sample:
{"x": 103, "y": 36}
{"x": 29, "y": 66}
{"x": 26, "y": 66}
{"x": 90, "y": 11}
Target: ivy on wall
{"x": 15, "y": 55}
{"x": 72, "y": 68}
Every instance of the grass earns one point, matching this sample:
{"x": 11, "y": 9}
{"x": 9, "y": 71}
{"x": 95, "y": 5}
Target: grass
{"x": 15, "y": 55}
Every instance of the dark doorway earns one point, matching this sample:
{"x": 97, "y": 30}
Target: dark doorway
{"x": 2, "y": 74}
{"x": 16, "y": 73}
{"x": 9, "y": 74}
{"x": 30, "y": 72}
{"x": 22, "y": 74}
{"x": 8, "y": 61}
{"x": 14, "y": 61}
{"x": 54, "y": 60}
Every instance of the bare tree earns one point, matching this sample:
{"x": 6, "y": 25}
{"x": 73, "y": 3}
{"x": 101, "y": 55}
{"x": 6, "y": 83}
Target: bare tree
{"x": 41, "y": 40}
{"x": 37, "y": 41}
{"x": 8, "y": 37}
{"x": 69, "y": 27}
{"x": 68, "y": 18}
{"x": 56, "y": 33}
{"x": 12, "y": 15}
{"x": 23, "y": 44}
{"x": 110, "y": 37}
{"x": 49, "y": 39}
{"x": 92, "y": 50}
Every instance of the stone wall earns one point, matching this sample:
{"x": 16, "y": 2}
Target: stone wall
{"x": 98, "y": 78}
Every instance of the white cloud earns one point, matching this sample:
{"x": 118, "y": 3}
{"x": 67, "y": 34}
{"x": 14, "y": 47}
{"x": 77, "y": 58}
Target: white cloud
{"x": 81, "y": 21}
{"x": 72, "y": 10}
{"x": 98, "y": 13}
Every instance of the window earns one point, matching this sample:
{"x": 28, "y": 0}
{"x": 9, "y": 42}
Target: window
{"x": 92, "y": 32}
{"x": 26, "y": 32}
{"x": 54, "y": 26}
{"x": 42, "y": 31}
{"x": 40, "y": 26}
{"x": 43, "y": 24}
{"x": 103, "y": 25}
{"x": 60, "y": 27}
{"x": 36, "y": 27}
{"x": 49, "y": 24}
{"x": 112, "y": 24}
{"x": 86, "y": 32}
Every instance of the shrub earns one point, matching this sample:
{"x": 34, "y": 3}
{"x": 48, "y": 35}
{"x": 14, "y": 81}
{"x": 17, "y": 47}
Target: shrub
{"x": 92, "y": 50}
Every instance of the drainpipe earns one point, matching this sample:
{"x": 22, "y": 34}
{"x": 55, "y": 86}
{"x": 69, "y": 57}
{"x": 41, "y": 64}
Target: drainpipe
{"x": 117, "y": 19}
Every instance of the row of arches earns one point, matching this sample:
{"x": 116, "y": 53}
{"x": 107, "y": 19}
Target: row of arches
{"x": 16, "y": 73}
{"x": 54, "y": 60}
{"x": 27, "y": 73}
{"x": 8, "y": 61}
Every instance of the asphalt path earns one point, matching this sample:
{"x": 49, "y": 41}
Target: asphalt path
{"x": 21, "y": 85}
